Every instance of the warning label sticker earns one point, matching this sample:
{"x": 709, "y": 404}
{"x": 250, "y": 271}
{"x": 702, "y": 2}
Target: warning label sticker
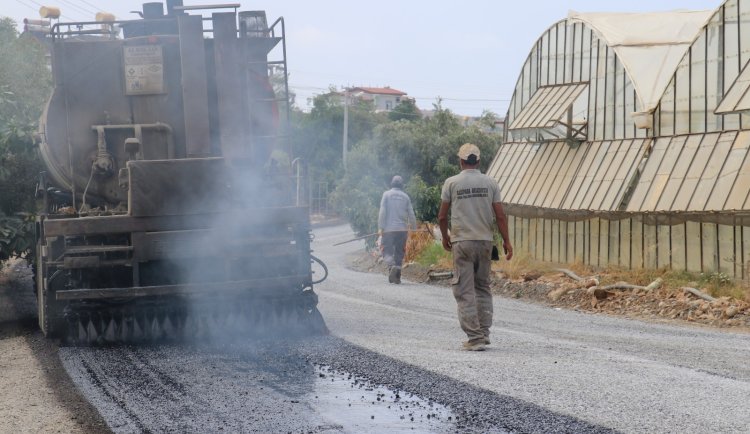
{"x": 144, "y": 69}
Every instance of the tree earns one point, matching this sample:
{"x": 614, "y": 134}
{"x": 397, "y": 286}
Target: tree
{"x": 24, "y": 77}
{"x": 406, "y": 110}
{"x": 425, "y": 198}
{"x": 25, "y": 85}
{"x": 278, "y": 80}
{"x": 423, "y": 152}
{"x": 358, "y": 194}
{"x": 317, "y": 137}
{"x": 488, "y": 119}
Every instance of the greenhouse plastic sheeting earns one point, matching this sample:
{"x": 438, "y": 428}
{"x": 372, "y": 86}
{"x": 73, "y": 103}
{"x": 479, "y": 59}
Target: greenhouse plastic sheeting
{"x": 737, "y": 97}
{"x": 697, "y": 172}
{"x": 547, "y": 106}
{"x": 553, "y": 175}
{"x": 650, "y": 45}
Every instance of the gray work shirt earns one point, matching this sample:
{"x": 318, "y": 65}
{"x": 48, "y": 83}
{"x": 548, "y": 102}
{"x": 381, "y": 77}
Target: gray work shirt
{"x": 396, "y": 212}
{"x": 471, "y": 195}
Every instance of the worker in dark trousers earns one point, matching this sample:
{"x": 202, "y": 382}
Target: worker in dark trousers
{"x": 473, "y": 200}
{"x": 395, "y": 218}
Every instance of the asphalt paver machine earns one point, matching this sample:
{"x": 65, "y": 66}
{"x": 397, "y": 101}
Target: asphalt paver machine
{"x": 169, "y": 208}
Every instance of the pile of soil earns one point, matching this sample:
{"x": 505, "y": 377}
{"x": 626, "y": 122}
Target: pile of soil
{"x": 557, "y": 290}
{"x": 663, "y": 304}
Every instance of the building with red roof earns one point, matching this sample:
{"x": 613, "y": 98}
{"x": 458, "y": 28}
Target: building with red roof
{"x": 384, "y": 98}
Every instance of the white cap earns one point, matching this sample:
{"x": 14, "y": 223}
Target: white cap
{"x": 466, "y": 150}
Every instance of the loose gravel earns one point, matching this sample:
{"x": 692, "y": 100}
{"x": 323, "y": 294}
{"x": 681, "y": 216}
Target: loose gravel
{"x": 478, "y": 410}
{"x": 253, "y": 386}
{"x": 292, "y": 386}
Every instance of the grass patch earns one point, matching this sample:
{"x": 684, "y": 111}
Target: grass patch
{"x": 641, "y": 276}
{"x": 721, "y": 285}
{"x": 418, "y": 242}
{"x": 433, "y": 255}
{"x": 520, "y": 264}
{"x": 715, "y": 284}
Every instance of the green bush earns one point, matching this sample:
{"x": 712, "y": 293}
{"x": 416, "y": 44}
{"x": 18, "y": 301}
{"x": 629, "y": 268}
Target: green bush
{"x": 16, "y": 237}
{"x": 18, "y": 179}
{"x": 25, "y": 84}
{"x": 425, "y": 199}
{"x": 359, "y": 193}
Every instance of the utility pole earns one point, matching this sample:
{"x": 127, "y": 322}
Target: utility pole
{"x": 346, "y": 127}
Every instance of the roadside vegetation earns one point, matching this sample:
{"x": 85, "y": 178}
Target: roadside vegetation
{"x": 422, "y": 150}
{"x": 716, "y": 302}
{"x": 25, "y": 84}
{"x": 402, "y": 142}
{"x": 715, "y": 284}
{"x": 718, "y": 285}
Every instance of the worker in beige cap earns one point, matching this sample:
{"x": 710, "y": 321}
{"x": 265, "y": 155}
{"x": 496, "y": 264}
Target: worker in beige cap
{"x": 473, "y": 200}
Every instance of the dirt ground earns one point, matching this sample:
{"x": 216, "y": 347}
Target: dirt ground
{"x": 558, "y": 290}
{"x": 37, "y": 394}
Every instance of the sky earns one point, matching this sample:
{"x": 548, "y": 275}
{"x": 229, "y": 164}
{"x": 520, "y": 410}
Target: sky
{"x": 467, "y": 53}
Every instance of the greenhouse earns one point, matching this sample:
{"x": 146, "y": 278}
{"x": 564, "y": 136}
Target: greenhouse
{"x": 627, "y": 142}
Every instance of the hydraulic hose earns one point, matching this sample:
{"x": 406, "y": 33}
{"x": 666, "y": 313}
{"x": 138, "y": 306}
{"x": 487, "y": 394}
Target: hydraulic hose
{"x": 325, "y": 269}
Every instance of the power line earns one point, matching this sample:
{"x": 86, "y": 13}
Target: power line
{"x": 348, "y": 77}
{"x": 41, "y": 5}
{"x": 304, "y": 87}
{"x": 304, "y": 93}
{"x": 463, "y": 99}
{"x": 452, "y": 99}
{"x": 93, "y": 6}
{"x": 310, "y": 87}
{"x": 27, "y": 5}
{"x": 78, "y": 8}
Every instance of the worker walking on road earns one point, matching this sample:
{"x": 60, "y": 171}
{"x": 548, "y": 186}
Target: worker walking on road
{"x": 473, "y": 200}
{"x": 395, "y": 218}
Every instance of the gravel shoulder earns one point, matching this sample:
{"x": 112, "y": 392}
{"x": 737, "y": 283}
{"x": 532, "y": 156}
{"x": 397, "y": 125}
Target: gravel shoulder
{"x": 554, "y": 289}
{"x": 38, "y": 395}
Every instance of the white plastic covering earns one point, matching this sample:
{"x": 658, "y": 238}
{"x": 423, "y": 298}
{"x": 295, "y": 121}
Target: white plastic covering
{"x": 548, "y": 105}
{"x": 737, "y": 99}
{"x": 649, "y": 45}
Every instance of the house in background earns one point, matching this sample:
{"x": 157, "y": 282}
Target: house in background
{"x": 384, "y": 98}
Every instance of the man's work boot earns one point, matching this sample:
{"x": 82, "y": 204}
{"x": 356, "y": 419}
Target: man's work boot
{"x": 476, "y": 345}
{"x": 392, "y": 275}
{"x": 398, "y": 276}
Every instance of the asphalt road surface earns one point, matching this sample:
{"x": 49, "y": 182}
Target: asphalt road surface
{"x": 393, "y": 364}
{"x": 608, "y": 372}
